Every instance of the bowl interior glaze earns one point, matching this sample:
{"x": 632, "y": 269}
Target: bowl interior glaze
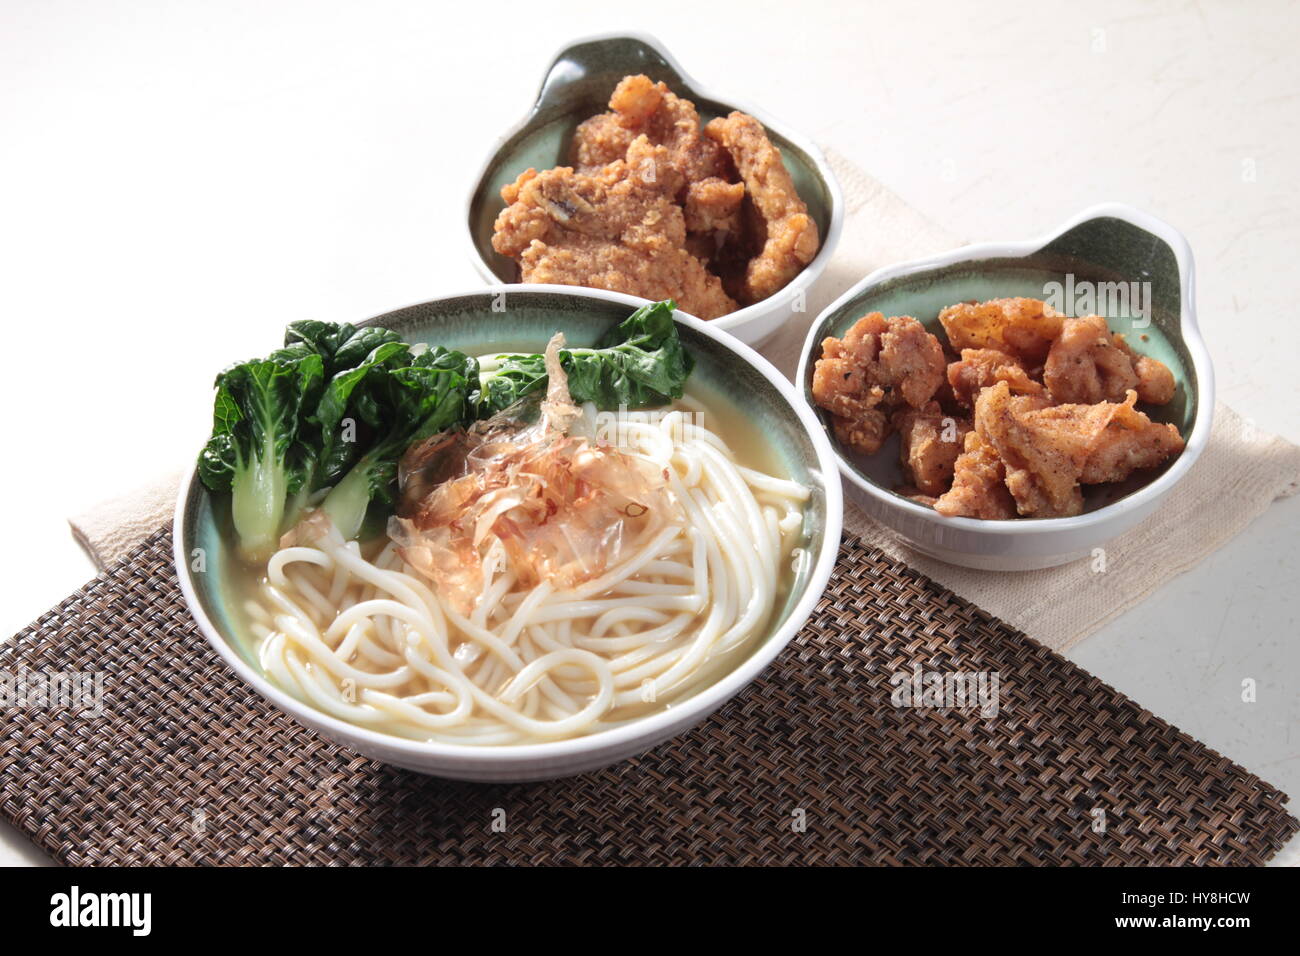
{"x": 1099, "y": 250}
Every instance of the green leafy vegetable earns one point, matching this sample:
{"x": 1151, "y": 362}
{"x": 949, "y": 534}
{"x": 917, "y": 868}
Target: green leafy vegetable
{"x": 328, "y": 447}
{"x": 401, "y": 406}
{"x": 639, "y": 363}
{"x": 338, "y": 406}
{"x": 254, "y": 451}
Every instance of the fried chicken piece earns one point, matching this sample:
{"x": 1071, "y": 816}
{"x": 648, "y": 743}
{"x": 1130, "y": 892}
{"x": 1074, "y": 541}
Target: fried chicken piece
{"x": 930, "y": 442}
{"x": 911, "y": 359}
{"x": 1048, "y": 450}
{"x": 879, "y": 361}
{"x": 1042, "y": 459}
{"x": 865, "y": 432}
{"x": 1131, "y": 441}
{"x": 599, "y": 141}
{"x": 979, "y": 488}
{"x": 980, "y": 368}
{"x": 1084, "y": 367}
{"x": 713, "y": 206}
{"x": 617, "y": 229}
{"x": 1087, "y": 364}
{"x": 641, "y": 107}
{"x": 789, "y": 237}
{"x": 1023, "y": 328}
{"x": 844, "y": 385}
{"x": 1156, "y": 383}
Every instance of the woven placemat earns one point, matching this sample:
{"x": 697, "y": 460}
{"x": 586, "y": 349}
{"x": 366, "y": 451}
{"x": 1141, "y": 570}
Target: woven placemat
{"x": 812, "y": 764}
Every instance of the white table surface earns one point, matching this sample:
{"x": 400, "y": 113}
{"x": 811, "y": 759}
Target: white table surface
{"x": 179, "y": 180}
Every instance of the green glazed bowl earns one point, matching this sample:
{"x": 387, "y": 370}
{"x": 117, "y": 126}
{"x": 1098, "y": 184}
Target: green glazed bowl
{"x": 1112, "y": 249}
{"x": 524, "y": 317}
{"x": 576, "y": 86}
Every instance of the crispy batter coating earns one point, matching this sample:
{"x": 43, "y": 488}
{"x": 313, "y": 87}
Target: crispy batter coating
{"x": 790, "y": 239}
{"x": 1024, "y": 328}
{"x": 930, "y": 442}
{"x": 730, "y": 239}
{"x": 1084, "y": 366}
{"x": 1087, "y": 364}
{"x": 618, "y": 229}
{"x": 713, "y": 206}
{"x": 641, "y": 107}
{"x": 844, "y": 385}
{"x": 1054, "y": 402}
{"x": 1130, "y": 441}
{"x": 1042, "y": 463}
{"x": 889, "y": 362}
{"x": 1156, "y": 383}
{"x": 1048, "y": 450}
{"x": 979, "y": 488}
{"x": 865, "y": 432}
{"x": 980, "y": 368}
{"x": 599, "y": 141}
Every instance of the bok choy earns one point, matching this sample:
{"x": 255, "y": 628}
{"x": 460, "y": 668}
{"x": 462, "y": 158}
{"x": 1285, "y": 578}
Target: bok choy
{"x": 638, "y": 363}
{"x": 325, "y": 419}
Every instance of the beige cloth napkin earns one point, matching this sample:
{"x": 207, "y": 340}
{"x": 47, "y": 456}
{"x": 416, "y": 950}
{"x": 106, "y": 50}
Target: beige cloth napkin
{"x": 1242, "y": 469}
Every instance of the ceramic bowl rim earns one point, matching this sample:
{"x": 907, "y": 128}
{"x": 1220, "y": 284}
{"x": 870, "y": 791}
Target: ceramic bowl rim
{"x": 667, "y": 722}
{"x": 1188, "y": 331}
{"x": 741, "y": 317}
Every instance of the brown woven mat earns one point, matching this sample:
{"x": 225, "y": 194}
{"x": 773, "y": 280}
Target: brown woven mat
{"x": 812, "y": 764}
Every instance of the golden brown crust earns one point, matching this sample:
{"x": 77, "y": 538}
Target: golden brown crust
{"x": 929, "y": 443}
{"x": 889, "y": 362}
{"x": 1024, "y": 328}
{"x": 720, "y": 239}
{"x": 1054, "y": 403}
{"x": 1049, "y": 450}
{"x": 790, "y": 240}
{"x": 1042, "y": 464}
{"x": 980, "y": 368}
{"x": 641, "y": 107}
{"x": 713, "y": 206}
{"x": 1085, "y": 367}
{"x": 617, "y": 229}
{"x": 979, "y": 487}
{"x": 1131, "y": 441}
{"x": 599, "y": 141}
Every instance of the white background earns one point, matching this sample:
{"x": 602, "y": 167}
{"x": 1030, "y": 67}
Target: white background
{"x": 179, "y": 180}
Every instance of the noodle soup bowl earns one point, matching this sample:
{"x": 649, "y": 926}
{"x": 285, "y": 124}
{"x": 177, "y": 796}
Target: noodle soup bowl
{"x": 524, "y": 317}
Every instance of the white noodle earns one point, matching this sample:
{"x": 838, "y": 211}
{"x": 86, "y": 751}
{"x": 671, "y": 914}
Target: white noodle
{"x": 369, "y": 642}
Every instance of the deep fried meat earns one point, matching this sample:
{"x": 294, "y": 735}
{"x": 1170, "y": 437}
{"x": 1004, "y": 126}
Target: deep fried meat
{"x": 790, "y": 239}
{"x": 1130, "y": 442}
{"x": 616, "y": 229}
{"x": 1087, "y": 364}
{"x": 930, "y": 442}
{"x": 980, "y": 368}
{"x": 713, "y": 206}
{"x": 1156, "y": 383}
{"x": 1023, "y": 328}
{"x": 1042, "y": 462}
{"x": 979, "y": 488}
{"x": 1084, "y": 366}
{"x": 844, "y": 385}
{"x": 865, "y": 432}
{"x": 891, "y": 361}
{"x": 600, "y": 141}
{"x": 1048, "y": 450}
{"x": 641, "y": 107}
